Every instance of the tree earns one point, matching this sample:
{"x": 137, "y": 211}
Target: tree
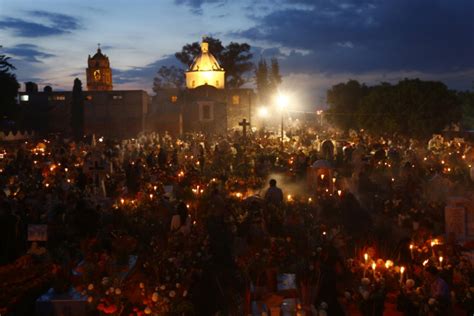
{"x": 8, "y": 89}
{"x": 466, "y": 99}
{"x": 77, "y": 111}
{"x": 275, "y": 76}
{"x": 267, "y": 80}
{"x": 235, "y": 58}
{"x": 168, "y": 77}
{"x": 344, "y": 101}
{"x": 262, "y": 81}
{"x": 412, "y": 107}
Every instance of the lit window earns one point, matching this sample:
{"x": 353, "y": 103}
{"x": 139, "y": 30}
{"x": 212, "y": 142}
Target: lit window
{"x": 236, "y": 99}
{"x": 59, "y": 97}
{"x": 24, "y": 98}
{"x": 174, "y": 98}
{"x": 117, "y": 97}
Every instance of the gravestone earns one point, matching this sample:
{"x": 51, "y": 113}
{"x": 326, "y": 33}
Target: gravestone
{"x": 459, "y": 218}
{"x": 96, "y": 167}
{"x": 244, "y": 125}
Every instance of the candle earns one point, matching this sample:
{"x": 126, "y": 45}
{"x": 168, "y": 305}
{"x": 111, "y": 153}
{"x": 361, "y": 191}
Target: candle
{"x": 339, "y": 192}
{"x": 411, "y": 251}
{"x": 440, "y": 261}
{"x": 373, "y": 268}
{"x": 366, "y": 257}
{"x": 402, "y": 270}
{"x": 425, "y": 262}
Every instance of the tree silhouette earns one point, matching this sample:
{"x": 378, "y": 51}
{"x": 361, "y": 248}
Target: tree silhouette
{"x": 77, "y": 111}
{"x": 8, "y": 89}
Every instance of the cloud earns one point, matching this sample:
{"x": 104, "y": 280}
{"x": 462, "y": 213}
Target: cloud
{"x": 28, "y": 52}
{"x": 371, "y": 35}
{"x": 196, "y": 5}
{"x": 41, "y": 24}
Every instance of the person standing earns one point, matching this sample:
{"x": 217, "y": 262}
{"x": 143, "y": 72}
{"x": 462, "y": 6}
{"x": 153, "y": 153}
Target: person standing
{"x": 274, "y": 194}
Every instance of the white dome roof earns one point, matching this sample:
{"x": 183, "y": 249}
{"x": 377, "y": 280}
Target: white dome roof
{"x": 205, "y": 61}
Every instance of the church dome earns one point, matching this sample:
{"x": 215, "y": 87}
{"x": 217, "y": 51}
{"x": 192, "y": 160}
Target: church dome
{"x": 205, "y": 61}
{"x": 205, "y": 70}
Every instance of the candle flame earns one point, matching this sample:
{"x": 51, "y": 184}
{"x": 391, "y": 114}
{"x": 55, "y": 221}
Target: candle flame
{"x": 402, "y": 270}
{"x": 366, "y": 256}
{"x": 425, "y": 262}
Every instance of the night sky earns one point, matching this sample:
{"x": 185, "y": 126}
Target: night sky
{"x": 318, "y": 42}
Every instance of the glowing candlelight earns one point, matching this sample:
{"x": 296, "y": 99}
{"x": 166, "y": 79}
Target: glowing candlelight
{"x": 440, "y": 261}
{"x": 402, "y": 270}
{"x": 151, "y": 196}
{"x": 122, "y": 201}
{"x": 366, "y": 257}
{"x": 411, "y": 251}
{"x": 289, "y": 198}
{"x": 339, "y": 192}
{"x": 374, "y": 265}
{"x": 425, "y": 262}
{"x": 333, "y": 180}
{"x": 388, "y": 264}
{"x": 322, "y": 177}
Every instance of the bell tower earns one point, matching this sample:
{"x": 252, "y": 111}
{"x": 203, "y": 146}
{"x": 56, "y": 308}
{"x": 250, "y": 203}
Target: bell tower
{"x": 99, "y": 74}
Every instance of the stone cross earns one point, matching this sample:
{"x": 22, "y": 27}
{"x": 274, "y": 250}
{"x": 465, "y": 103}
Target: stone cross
{"x": 244, "y": 125}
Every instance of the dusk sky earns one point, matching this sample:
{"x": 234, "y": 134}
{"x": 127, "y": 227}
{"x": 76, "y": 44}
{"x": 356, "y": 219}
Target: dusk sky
{"x": 318, "y": 42}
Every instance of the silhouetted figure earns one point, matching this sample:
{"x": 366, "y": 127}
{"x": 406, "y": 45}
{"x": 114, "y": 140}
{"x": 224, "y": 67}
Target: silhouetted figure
{"x": 274, "y": 194}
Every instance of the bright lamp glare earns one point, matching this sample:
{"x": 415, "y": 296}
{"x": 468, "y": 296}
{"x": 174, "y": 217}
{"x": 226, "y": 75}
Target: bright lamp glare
{"x": 282, "y": 101}
{"x": 263, "y": 112}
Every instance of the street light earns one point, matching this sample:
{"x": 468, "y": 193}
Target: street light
{"x": 282, "y": 103}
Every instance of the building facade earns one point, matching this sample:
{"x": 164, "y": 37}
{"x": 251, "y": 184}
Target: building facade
{"x": 107, "y": 112}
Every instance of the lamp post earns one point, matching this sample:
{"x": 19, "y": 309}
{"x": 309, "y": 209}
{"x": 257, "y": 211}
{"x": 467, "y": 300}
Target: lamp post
{"x": 282, "y": 102}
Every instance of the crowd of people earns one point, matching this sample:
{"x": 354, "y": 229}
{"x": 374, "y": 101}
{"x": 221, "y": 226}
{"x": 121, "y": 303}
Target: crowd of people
{"x": 317, "y": 224}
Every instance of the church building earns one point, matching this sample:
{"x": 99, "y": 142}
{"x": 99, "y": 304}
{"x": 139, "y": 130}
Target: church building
{"x": 107, "y": 112}
{"x": 206, "y": 104}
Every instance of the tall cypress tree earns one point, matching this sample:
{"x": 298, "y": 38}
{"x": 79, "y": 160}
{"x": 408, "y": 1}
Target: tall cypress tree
{"x": 261, "y": 80}
{"x": 77, "y": 111}
{"x": 274, "y": 77}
